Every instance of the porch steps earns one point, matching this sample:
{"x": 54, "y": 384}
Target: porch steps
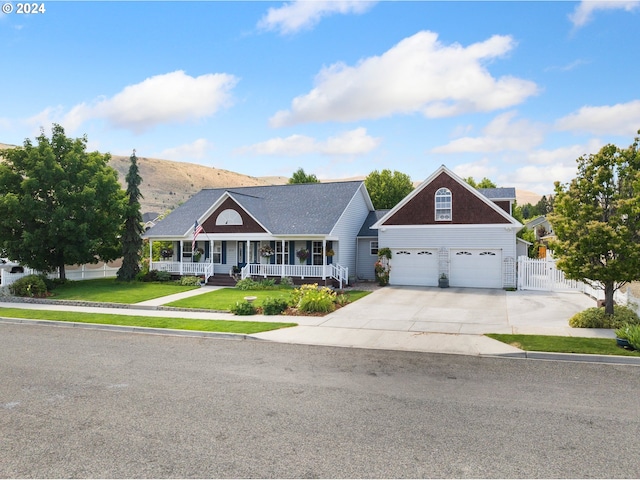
{"x": 221, "y": 281}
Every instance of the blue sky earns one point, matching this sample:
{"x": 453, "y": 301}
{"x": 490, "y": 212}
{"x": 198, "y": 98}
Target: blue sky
{"x": 514, "y": 91}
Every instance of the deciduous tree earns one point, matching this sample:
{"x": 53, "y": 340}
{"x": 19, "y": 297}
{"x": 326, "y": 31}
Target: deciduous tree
{"x": 59, "y": 205}
{"x": 596, "y": 219}
{"x": 299, "y": 176}
{"x": 387, "y": 189}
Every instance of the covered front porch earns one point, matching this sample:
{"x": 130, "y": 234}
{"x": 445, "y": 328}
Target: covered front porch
{"x": 302, "y": 259}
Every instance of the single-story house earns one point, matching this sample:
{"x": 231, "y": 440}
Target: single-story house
{"x": 331, "y": 232}
{"x": 302, "y": 231}
{"x": 445, "y": 227}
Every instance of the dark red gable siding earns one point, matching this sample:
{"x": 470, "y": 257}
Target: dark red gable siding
{"x": 249, "y": 225}
{"x": 467, "y": 208}
{"x": 505, "y": 205}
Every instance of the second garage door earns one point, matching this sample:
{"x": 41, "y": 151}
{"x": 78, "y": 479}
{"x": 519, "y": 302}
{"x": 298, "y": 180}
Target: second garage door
{"x": 476, "y": 268}
{"x": 412, "y": 266}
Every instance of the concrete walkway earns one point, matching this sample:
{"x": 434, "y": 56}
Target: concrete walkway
{"x": 421, "y": 319}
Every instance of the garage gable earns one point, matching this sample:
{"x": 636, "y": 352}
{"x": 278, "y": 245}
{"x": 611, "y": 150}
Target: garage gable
{"x": 457, "y": 204}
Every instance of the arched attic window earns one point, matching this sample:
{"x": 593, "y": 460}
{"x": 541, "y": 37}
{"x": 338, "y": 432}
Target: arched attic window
{"x": 443, "y": 205}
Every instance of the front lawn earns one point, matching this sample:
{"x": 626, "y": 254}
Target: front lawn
{"x": 111, "y": 291}
{"x": 547, "y": 343}
{"x": 225, "y": 298}
{"x": 222, "y": 326}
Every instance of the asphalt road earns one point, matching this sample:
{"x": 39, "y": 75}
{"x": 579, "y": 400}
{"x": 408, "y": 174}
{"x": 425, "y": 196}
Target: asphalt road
{"x": 84, "y": 403}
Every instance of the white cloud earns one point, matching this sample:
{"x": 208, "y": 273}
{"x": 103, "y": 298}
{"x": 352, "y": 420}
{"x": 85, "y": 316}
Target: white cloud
{"x": 501, "y": 134}
{"x": 584, "y": 12}
{"x": 478, "y": 170}
{"x": 305, "y": 14}
{"x": 170, "y": 98}
{"x": 353, "y": 142}
{"x": 190, "y": 151}
{"x": 619, "y": 119}
{"x": 419, "y": 74}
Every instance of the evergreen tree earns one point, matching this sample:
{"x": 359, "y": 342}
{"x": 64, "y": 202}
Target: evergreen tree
{"x": 132, "y": 234}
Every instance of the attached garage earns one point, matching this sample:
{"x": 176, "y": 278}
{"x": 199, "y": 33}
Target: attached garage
{"x": 475, "y": 268}
{"x": 414, "y": 266}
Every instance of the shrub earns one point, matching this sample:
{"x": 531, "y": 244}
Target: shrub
{"x": 190, "y": 280}
{"x": 267, "y": 284}
{"x": 633, "y": 336}
{"x": 286, "y": 282}
{"x": 274, "y": 306}
{"x": 311, "y": 299}
{"x": 29, "y": 286}
{"x": 243, "y": 308}
{"x": 247, "y": 284}
{"x": 596, "y": 318}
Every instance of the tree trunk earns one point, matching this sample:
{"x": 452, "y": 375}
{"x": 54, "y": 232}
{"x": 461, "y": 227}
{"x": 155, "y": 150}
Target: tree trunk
{"x": 62, "y": 273}
{"x": 608, "y": 297}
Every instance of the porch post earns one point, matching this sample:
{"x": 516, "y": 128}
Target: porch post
{"x": 324, "y": 259}
{"x": 150, "y": 254}
{"x": 283, "y": 255}
{"x": 180, "y": 255}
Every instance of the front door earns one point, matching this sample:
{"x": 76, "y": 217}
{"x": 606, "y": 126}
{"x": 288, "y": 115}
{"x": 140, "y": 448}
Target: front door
{"x": 242, "y": 254}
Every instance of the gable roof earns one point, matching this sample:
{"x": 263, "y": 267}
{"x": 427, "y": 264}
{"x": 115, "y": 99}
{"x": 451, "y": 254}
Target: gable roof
{"x": 372, "y": 218}
{"x": 298, "y": 209}
{"x": 495, "y": 195}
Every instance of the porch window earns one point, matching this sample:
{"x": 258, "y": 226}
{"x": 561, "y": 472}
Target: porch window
{"x": 316, "y": 251}
{"x": 279, "y": 253}
{"x": 187, "y": 249}
{"x": 373, "y": 247}
{"x": 443, "y": 205}
{"x": 216, "y": 253}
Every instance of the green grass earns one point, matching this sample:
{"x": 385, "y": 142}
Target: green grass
{"x": 547, "y": 343}
{"x": 225, "y": 298}
{"x": 112, "y": 291}
{"x": 223, "y": 326}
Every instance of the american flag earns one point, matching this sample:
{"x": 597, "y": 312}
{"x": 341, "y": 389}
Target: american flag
{"x": 197, "y": 229}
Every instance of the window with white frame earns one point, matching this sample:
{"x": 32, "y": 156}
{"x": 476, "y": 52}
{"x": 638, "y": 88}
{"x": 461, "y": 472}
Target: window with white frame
{"x": 373, "y": 247}
{"x": 216, "y": 253}
{"x": 279, "y": 253}
{"x": 443, "y": 205}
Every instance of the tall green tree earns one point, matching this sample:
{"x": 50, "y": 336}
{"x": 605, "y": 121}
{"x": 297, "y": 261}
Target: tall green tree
{"x": 484, "y": 183}
{"x": 299, "y": 176}
{"x": 596, "y": 219}
{"x": 133, "y": 229}
{"x": 387, "y": 189}
{"x": 59, "y": 205}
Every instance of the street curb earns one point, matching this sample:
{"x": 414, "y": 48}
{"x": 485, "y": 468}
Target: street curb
{"x": 126, "y": 329}
{"x": 572, "y": 357}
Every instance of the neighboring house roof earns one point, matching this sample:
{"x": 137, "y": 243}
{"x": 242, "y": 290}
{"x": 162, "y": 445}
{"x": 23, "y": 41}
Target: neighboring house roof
{"x": 150, "y": 217}
{"x": 503, "y": 193}
{"x": 531, "y": 224}
{"x": 477, "y": 208}
{"x": 298, "y": 209}
{"x": 373, "y": 217}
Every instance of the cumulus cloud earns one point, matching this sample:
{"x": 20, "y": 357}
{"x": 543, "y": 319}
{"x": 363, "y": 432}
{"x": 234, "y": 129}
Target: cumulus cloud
{"x": 170, "y": 98}
{"x": 419, "y": 74}
{"x": 353, "y": 142}
{"x": 619, "y": 119}
{"x": 478, "y": 169}
{"x": 305, "y": 14}
{"x": 194, "y": 151}
{"x": 584, "y": 12}
{"x": 501, "y": 134}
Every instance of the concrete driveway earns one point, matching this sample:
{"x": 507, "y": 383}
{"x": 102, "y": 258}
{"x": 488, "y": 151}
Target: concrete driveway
{"x": 463, "y": 311}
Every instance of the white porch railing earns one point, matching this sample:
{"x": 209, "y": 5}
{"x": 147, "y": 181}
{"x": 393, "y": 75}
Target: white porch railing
{"x": 341, "y": 274}
{"x": 183, "y": 268}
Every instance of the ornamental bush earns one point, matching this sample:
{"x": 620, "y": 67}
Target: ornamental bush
{"x": 247, "y": 284}
{"x": 274, "y": 306}
{"x": 597, "y": 318}
{"x": 190, "y": 280}
{"x": 243, "y": 308}
{"x": 29, "y": 286}
{"x": 316, "y": 300}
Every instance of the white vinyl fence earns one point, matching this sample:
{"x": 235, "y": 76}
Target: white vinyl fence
{"x": 82, "y": 272}
{"x": 542, "y": 274}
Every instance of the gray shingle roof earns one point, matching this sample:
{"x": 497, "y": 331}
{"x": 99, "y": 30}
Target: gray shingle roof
{"x": 372, "y": 218}
{"x": 504, "y": 193}
{"x": 300, "y": 209}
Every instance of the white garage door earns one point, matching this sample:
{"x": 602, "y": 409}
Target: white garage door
{"x": 475, "y": 268}
{"x": 413, "y": 266}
